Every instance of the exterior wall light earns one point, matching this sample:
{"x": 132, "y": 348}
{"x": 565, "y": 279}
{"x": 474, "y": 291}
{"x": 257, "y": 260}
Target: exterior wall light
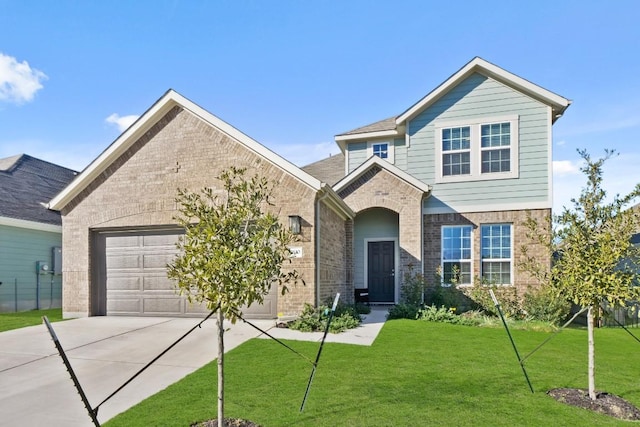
{"x": 295, "y": 224}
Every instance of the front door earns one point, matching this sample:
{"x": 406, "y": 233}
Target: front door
{"x": 381, "y": 271}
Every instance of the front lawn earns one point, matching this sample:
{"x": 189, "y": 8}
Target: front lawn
{"x": 416, "y": 373}
{"x": 22, "y": 319}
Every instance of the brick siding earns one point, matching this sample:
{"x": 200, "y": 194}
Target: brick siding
{"x": 139, "y": 189}
{"x": 432, "y": 240}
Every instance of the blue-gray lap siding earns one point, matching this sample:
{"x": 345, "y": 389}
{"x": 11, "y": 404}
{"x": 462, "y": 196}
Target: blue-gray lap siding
{"x": 20, "y": 249}
{"x": 477, "y": 97}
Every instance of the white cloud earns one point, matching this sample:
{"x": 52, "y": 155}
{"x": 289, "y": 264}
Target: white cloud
{"x": 620, "y": 174}
{"x": 18, "y": 81}
{"x": 565, "y": 167}
{"x": 122, "y": 122}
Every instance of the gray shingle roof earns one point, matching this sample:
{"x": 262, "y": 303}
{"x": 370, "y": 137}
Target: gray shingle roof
{"x": 26, "y": 183}
{"x": 386, "y": 124}
{"x": 329, "y": 170}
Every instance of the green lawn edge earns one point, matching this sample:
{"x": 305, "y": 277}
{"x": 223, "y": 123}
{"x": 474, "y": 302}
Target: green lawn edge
{"x": 22, "y": 319}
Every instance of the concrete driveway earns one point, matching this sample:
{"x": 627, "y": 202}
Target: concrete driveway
{"x": 36, "y": 390}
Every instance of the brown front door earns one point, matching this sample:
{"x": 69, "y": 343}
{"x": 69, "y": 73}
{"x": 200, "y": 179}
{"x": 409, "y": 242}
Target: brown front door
{"x": 381, "y": 271}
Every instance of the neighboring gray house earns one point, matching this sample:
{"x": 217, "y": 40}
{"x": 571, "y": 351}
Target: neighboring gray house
{"x": 30, "y": 234}
{"x": 445, "y": 183}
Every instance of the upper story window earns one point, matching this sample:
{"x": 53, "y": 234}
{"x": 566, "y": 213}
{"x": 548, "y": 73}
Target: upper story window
{"x": 382, "y": 149}
{"x": 456, "y": 151}
{"x": 495, "y": 144}
{"x": 477, "y": 150}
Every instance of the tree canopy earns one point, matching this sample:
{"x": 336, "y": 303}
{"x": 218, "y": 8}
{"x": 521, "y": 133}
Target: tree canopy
{"x": 233, "y": 250}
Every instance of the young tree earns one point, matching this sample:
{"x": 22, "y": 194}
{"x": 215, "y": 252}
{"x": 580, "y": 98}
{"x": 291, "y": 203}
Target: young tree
{"x": 595, "y": 261}
{"x": 232, "y": 251}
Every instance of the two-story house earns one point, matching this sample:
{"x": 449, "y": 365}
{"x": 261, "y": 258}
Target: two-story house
{"x": 448, "y": 182}
{"x": 445, "y": 183}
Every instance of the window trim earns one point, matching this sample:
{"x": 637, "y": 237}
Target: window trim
{"x": 511, "y": 248}
{"x": 471, "y": 257}
{"x": 476, "y": 149}
{"x": 390, "y": 149}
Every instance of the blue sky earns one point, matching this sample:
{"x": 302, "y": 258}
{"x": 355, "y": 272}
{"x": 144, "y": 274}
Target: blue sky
{"x": 292, "y": 74}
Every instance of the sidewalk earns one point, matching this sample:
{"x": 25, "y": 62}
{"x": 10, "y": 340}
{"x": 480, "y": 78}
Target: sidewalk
{"x": 364, "y": 334}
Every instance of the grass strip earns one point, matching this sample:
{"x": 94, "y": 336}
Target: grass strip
{"x": 9, "y": 321}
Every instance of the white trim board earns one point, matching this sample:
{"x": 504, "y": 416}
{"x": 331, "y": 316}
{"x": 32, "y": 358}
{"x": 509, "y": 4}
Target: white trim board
{"x": 31, "y": 225}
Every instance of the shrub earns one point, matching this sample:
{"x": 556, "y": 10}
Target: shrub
{"x": 413, "y": 287}
{"x": 315, "y": 319}
{"x": 507, "y": 297}
{"x": 543, "y": 305}
{"x": 435, "y": 314}
{"x": 403, "y": 311}
{"x": 445, "y": 315}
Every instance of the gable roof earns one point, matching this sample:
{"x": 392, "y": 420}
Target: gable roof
{"x": 329, "y": 170}
{"x": 374, "y": 161}
{"x": 396, "y": 126}
{"x": 150, "y": 117}
{"x": 26, "y": 185}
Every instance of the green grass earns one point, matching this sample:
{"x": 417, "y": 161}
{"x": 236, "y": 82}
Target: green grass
{"x": 22, "y": 319}
{"x": 416, "y": 374}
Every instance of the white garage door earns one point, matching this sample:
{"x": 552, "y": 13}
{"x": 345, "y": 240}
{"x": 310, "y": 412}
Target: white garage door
{"x": 137, "y": 283}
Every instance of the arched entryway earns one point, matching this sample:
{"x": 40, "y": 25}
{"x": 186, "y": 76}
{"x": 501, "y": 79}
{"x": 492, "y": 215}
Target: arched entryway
{"x": 376, "y": 254}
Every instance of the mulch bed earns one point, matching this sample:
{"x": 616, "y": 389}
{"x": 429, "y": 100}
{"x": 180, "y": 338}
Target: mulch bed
{"x": 605, "y": 403}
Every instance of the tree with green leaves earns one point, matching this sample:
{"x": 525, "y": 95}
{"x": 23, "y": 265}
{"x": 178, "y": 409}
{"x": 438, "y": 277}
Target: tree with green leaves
{"x": 595, "y": 261}
{"x": 232, "y": 253}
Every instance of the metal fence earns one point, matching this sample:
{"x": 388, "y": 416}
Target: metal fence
{"x": 628, "y": 316}
{"x": 23, "y": 296}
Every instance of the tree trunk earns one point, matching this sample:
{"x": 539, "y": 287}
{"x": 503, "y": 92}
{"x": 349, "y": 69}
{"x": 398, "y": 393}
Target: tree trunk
{"x": 220, "y": 369}
{"x": 592, "y": 356}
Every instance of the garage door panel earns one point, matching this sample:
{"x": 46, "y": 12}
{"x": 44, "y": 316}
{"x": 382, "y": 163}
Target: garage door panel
{"x": 162, "y": 306}
{"x": 123, "y": 241}
{"x": 158, "y": 261}
{"x": 125, "y": 283}
{"x": 123, "y": 261}
{"x": 124, "y": 306}
{"x": 158, "y": 283}
{"x": 167, "y": 240}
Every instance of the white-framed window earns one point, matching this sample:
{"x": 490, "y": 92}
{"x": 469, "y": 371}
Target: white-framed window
{"x": 382, "y": 149}
{"x": 496, "y": 253}
{"x": 456, "y": 259}
{"x": 476, "y": 150}
{"x": 456, "y": 151}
